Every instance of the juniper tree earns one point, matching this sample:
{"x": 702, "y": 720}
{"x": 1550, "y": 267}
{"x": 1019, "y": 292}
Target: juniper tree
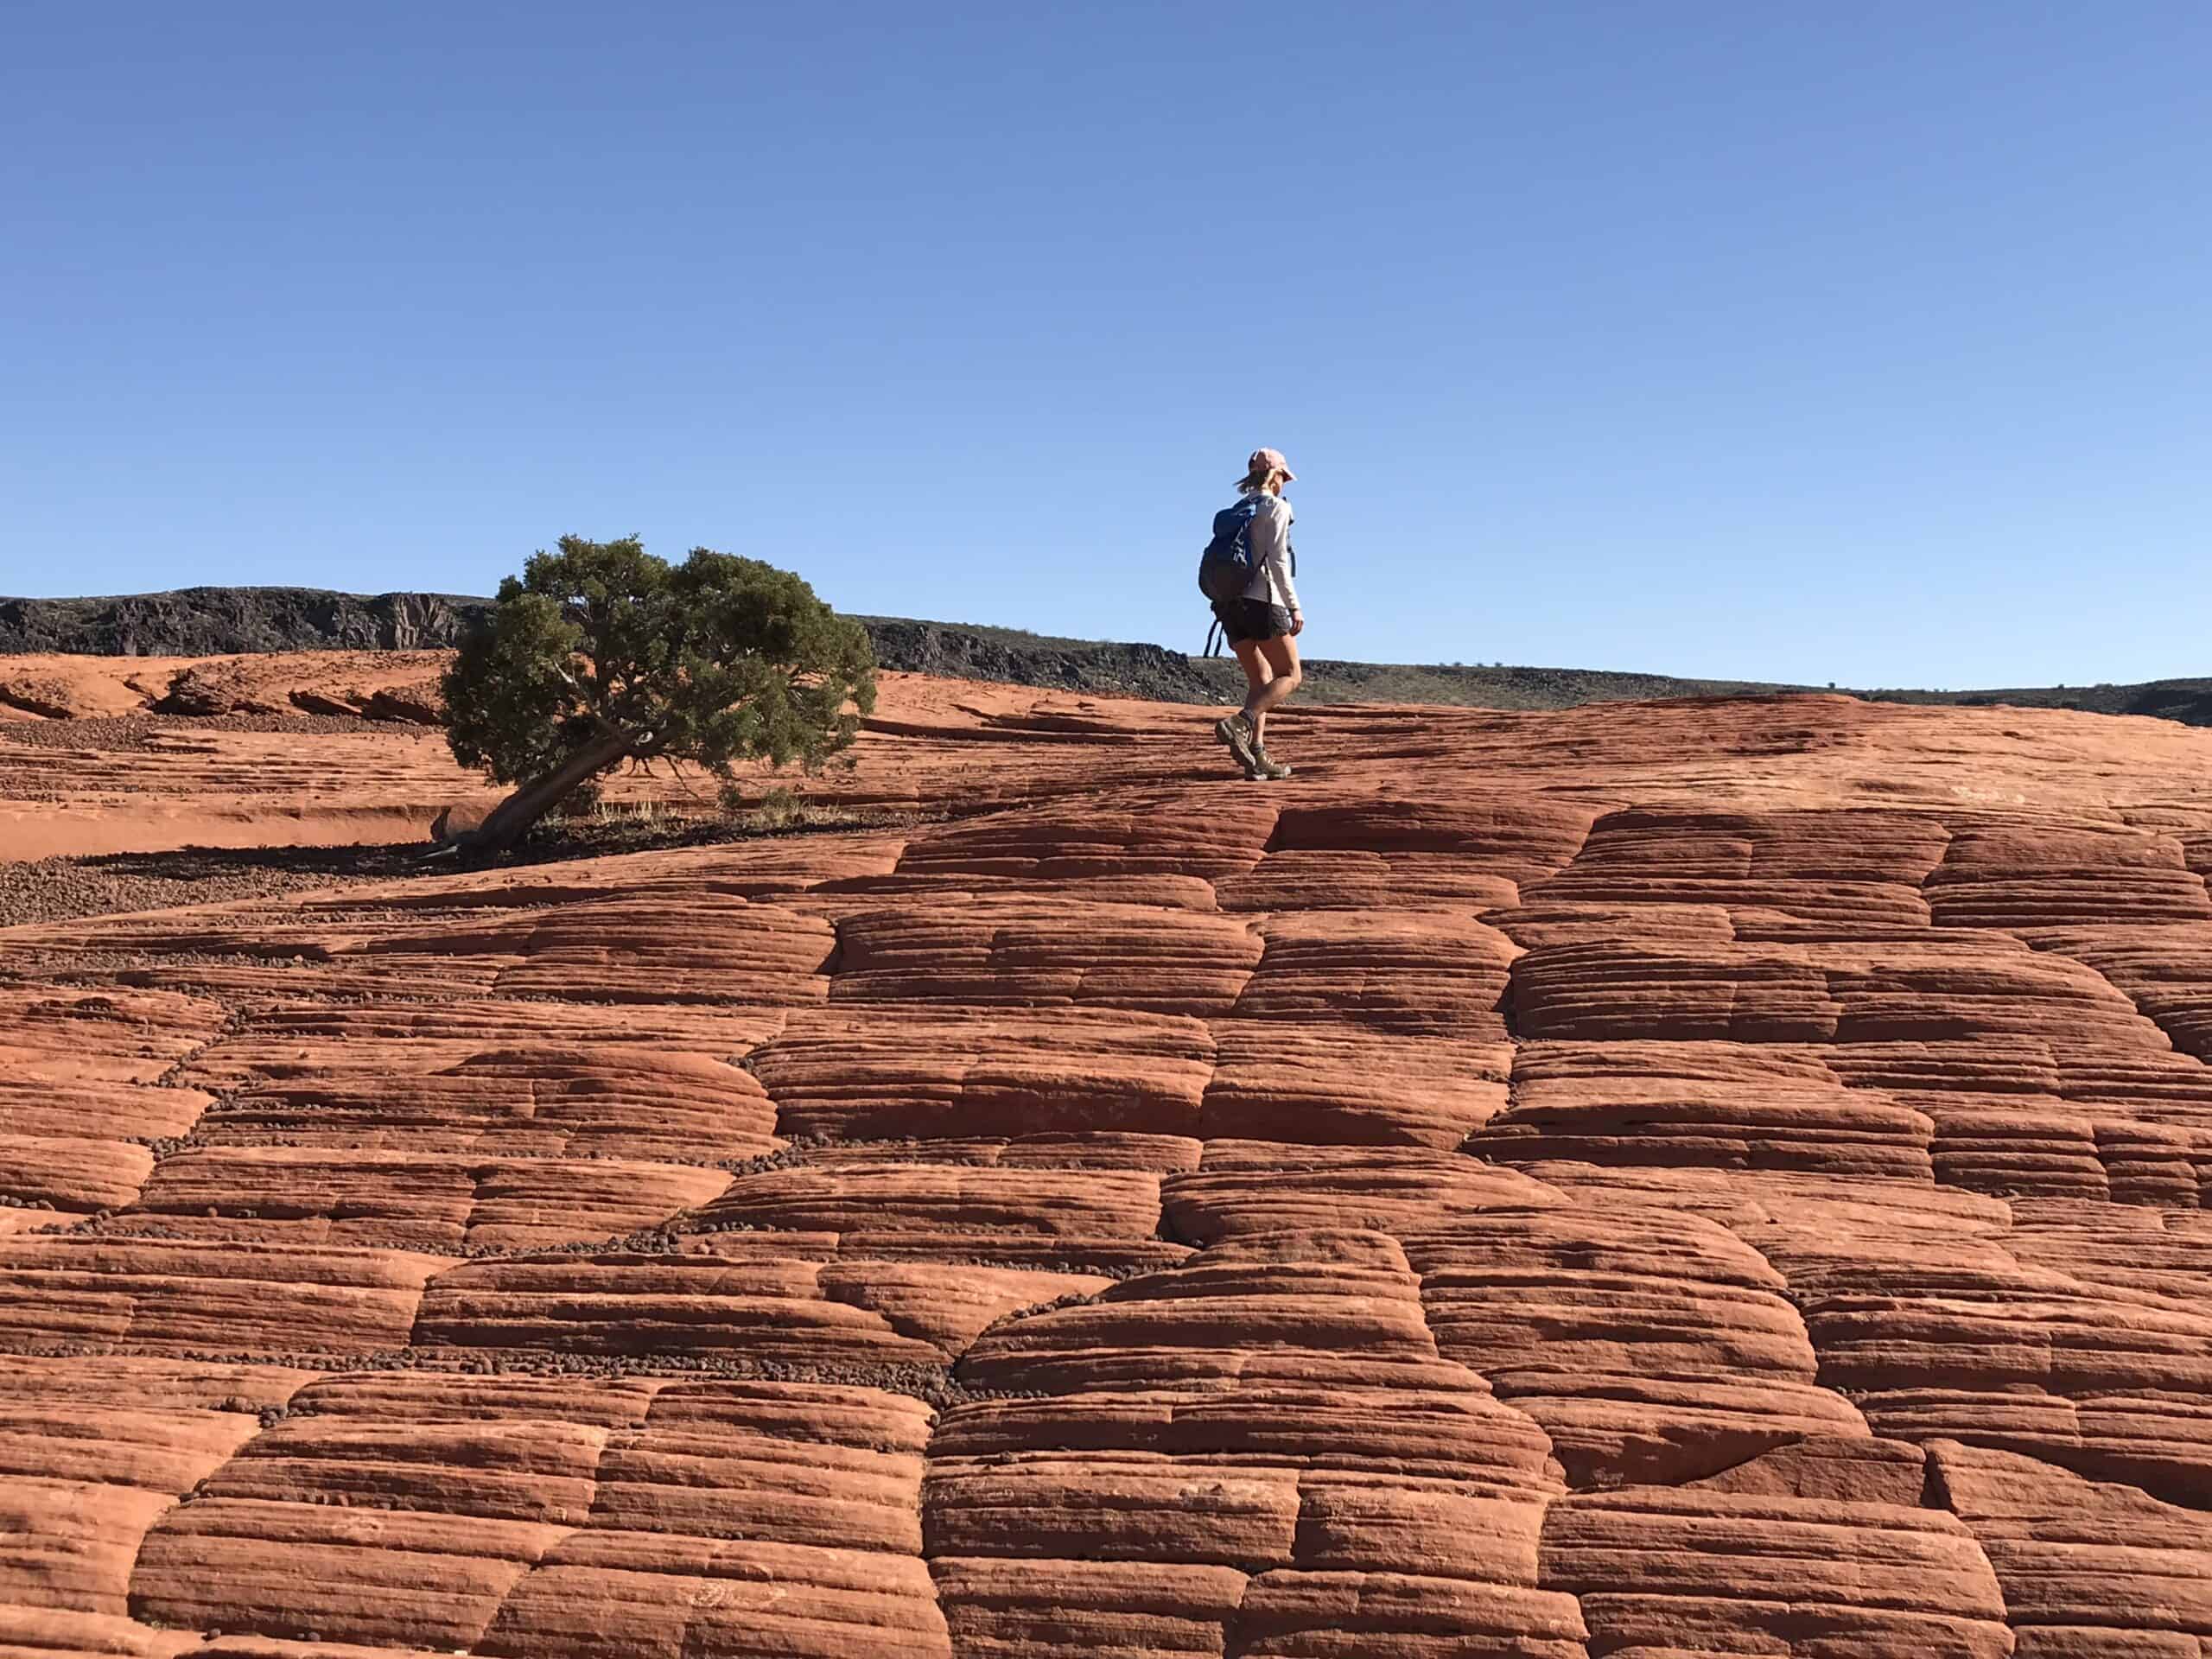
{"x": 600, "y": 654}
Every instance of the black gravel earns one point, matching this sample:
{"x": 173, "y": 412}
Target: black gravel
{"x": 110, "y": 735}
{"x": 932, "y": 1386}
{"x": 59, "y": 889}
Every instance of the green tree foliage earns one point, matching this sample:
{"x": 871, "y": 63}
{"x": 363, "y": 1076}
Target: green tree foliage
{"x": 601, "y": 654}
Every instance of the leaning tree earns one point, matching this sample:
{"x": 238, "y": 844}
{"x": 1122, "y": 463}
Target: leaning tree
{"x": 600, "y": 655}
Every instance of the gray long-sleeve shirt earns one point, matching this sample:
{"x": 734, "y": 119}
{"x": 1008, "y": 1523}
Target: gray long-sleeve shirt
{"x": 1270, "y": 538}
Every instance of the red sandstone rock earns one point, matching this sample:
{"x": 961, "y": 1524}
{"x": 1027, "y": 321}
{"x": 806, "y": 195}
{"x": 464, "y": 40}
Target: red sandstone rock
{"x": 1343, "y": 1615}
{"x": 1605, "y": 991}
{"x": 1532, "y": 925}
{"x": 1683, "y": 1105}
{"x": 2087, "y": 1569}
{"x": 1844, "y": 1469}
{"x": 1104, "y": 1149}
{"x": 576, "y": 1496}
{"x": 1444, "y": 853}
{"x": 310, "y": 1039}
{"x": 521, "y": 1102}
{"x": 1296, "y": 1307}
{"x": 79, "y": 1034}
{"x": 51, "y": 1633}
{"x": 1317, "y": 878}
{"x": 686, "y": 1305}
{"x": 1342, "y": 1085}
{"x": 1398, "y": 971}
{"x": 151, "y": 1296}
{"x": 1815, "y": 993}
{"x": 1258, "y": 1186}
{"x": 1096, "y": 1213}
{"x": 1714, "y": 1572}
{"x": 1038, "y": 954}
{"x": 874, "y": 1071}
{"x": 1983, "y": 1320}
{"x": 1652, "y": 1347}
{"x": 1672, "y": 1181}
{"x": 2027, "y": 876}
{"x": 1862, "y": 868}
{"x": 1184, "y": 833}
{"x": 2166, "y": 969}
{"x": 68, "y": 1173}
{"x": 427, "y": 1203}
{"x": 687, "y": 946}
{"x": 1028, "y": 1609}
{"x": 609, "y": 1596}
{"x": 92, "y": 1453}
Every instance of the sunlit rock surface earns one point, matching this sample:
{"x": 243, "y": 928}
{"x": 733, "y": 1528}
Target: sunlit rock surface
{"x": 1662, "y": 1180}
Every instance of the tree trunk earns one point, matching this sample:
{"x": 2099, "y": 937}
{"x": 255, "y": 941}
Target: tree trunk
{"x": 512, "y": 819}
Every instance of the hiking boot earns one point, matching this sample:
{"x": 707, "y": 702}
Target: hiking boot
{"x": 1263, "y": 766}
{"x": 1236, "y": 733}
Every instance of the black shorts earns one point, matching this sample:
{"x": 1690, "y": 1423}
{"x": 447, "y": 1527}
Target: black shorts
{"x": 1250, "y": 619}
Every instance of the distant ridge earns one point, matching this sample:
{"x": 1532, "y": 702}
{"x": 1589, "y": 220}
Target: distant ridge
{"x": 221, "y": 621}
{"x": 225, "y": 621}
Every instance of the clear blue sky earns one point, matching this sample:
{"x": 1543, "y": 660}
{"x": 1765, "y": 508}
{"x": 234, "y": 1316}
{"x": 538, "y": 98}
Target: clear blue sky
{"x": 1870, "y": 343}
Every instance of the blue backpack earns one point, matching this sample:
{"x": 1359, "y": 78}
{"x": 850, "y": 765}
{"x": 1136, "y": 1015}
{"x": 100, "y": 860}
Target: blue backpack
{"x": 1226, "y": 567}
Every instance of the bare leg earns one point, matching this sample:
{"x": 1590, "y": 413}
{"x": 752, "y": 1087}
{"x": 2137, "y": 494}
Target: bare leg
{"x": 1237, "y": 733}
{"x": 1256, "y": 671}
{"x": 1279, "y": 662}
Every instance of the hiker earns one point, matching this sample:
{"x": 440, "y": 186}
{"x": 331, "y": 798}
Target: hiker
{"x": 1258, "y": 615}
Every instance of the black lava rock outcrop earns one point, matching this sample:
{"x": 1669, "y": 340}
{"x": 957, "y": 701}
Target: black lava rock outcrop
{"x": 1132, "y": 670}
{"x": 220, "y": 621}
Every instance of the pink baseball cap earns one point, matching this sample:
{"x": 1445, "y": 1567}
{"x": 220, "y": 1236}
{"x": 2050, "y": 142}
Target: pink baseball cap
{"x": 1269, "y": 460}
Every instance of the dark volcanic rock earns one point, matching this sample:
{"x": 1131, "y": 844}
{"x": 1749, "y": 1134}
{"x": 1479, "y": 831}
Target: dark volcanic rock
{"x": 1136, "y": 670}
{"x": 219, "y": 621}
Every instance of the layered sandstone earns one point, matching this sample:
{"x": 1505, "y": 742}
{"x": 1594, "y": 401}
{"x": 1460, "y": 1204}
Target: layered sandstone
{"x": 1664, "y": 1181}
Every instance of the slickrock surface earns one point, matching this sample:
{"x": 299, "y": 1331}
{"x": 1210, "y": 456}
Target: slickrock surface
{"x": 1660, "y": 1181}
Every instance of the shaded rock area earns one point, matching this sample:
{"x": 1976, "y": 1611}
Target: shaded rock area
{"x": 1653, "y": 1182}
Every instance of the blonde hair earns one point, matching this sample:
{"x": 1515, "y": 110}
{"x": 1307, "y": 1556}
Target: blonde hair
{"x": 1259, "y": 478}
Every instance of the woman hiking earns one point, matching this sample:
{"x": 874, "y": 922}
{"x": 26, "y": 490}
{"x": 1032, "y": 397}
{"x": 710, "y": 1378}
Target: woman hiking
{"x": 1263, "y": 623}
